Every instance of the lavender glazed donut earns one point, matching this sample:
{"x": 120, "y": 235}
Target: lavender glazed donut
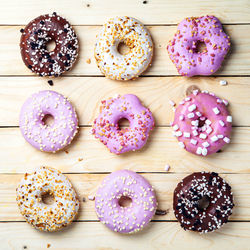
{"x": 202, "y": 123}
{"x": 48, "y": 138}
{"x": 203, "y": 202}
{"x": 42, "y": 216}
{"x": 116, "y": 186}
{"x": 183, "y": 51}
{"x": 118, "y": 140}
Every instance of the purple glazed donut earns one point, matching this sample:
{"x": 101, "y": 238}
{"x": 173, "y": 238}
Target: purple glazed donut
{"x": 202, "y": 123}
{"x": 48, "y": 138}
{"x": 116, "y": 186}
{"x": 182, "y": 49}
{"x": 118, "y": 140}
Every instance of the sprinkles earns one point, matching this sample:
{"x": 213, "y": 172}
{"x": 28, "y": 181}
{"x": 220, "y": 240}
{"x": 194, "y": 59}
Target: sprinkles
{"x": 125, "y": 184}
{"x": 121, "y": 140}
{"x": 188, "y": 208}
{"x": 202, "y": 123}
{"x": 183, "y": 48}
{"x": 40, "y": 215}
{"x": 53, "y": 137}
{"x": 35, "y": 37}
{"x": 135, "y": 36}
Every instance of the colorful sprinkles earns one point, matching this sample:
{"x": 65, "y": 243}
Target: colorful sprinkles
{"x": 183, "y": 48}
{"x": 121, "y": 140}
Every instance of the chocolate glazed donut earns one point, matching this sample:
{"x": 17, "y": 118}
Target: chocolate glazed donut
{"x": 198, "y": 187}
{"x": 36, "y": 36}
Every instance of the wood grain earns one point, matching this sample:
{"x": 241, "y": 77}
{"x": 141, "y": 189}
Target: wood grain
{"x": 93, "y": 235}
{"x": 155, "y": 92}
{"x": 87, "y": 184}
{"x": 98, "y": 11}
{"x": 236, "y": 63}
{"x": 87, "y": 154}
{"x": 87, "y": 161}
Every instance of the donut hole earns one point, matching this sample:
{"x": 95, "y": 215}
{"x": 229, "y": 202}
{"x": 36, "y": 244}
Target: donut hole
{"x": 48, "y": 120}
{"x": 200, "y": 47}
{"x": 50, "y": 45}
{"x": 201, "y": 123}
{"x": 125, "y": 201}
{"x": 123, "y": 48}
{"x": 48, "y": 198}
{"x": 204, "y": 202}
{"x": 123, "y": 122}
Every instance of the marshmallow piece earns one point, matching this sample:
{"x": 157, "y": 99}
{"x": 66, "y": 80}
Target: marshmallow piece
{"x": 204, "y": 151}
{"x": 199, "y": 151}
{"x": 195, "y": 133}
{"x": 226, "y": 140}
{"x": 186, "y": 134}
{"x": 194, "y": 142}
{"x": 191, "y": 108}
{"x": 214, "y": 138}
{"x": 178, "y": 133}
{"x": 209, "y": 130}
{"x": 181, "y": 144}
{"x": 181, "y": 117}
{"x": 205, "y": 144}
{"x": 223, "y": 82}
{"x": 221, "y": 123}
{"x": 216, "y": 110}
{"x": 203, "y": 136}
{"x": 172, "y": 103}
{"x": 208, "y": 122}
{"x": 167, "y": 167}
{"x": 229, "y": 118}
{"x": 190, "y": 115}
{"x": 175, "y": 127}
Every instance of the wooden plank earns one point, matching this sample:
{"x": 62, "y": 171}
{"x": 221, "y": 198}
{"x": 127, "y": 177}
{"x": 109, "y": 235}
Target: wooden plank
{"x": 93, "y": 235}
{"x": 87, "y": 184}
{"x": 153, "y": 12}
{"x": 155, "y": 92}
{"x": 237, "y": 63}
{"x": 87, "y": 154}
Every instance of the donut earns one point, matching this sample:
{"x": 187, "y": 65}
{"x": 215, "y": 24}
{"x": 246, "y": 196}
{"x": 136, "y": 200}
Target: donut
{"x": 121, "y": 140}
{"x": 189, "y": 194}
{"x": 183, "y": 48}
{"x": 48, "y": 138}
{"x": 119, "y": 185}
{"x": 135, "y": 36}
{"x": 42, "y": 216}
{"x": 34, "y": 39}
{"x": 202, "y": 123}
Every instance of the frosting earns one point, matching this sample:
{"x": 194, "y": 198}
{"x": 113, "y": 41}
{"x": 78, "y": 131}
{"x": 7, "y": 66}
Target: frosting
{"x": 131, "y": 32}
{"x": 182, "y": 49}
{"x": 131, "y": 219}
{"x": 49, "y": 138}
{"x": 121, "y": 140}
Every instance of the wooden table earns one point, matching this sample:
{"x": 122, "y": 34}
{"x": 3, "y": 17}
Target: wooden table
{"x": 87, "y": 161}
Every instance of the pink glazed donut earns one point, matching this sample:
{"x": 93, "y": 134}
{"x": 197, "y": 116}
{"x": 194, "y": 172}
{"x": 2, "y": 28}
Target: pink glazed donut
{"x": 182, "y": 49}
{"x": 118, "y": 140}
{"x": 48, "y": 138}
{"x": 125, "y": 219}
{"x": 202, "y": 123}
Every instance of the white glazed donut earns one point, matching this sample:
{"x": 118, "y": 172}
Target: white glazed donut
{"x": 41, "y": 216}
{"x": 132, "y": 33}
